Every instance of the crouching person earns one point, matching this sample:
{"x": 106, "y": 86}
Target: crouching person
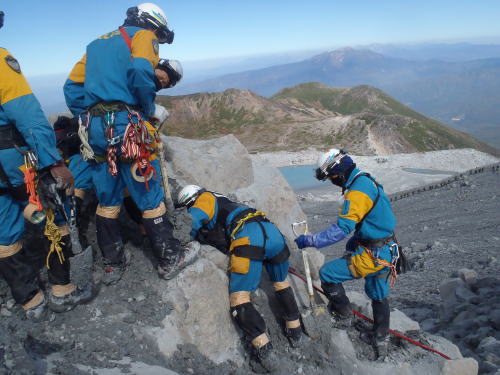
{"x": 372, "y": 252}
{"x": 252, "y": 242}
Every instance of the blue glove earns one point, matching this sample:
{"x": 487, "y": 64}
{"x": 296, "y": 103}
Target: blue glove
{"x": 304, "y": 241}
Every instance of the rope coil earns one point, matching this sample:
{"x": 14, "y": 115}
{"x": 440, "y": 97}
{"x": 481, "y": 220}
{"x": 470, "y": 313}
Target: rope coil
{"x": 53, "y": 233}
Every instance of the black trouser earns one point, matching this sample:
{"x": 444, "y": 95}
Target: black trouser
{"x": 59, "y": 273}
{"x": 161, "y": 233}
{"x": 109, "y": 240}
{"x": 21, "y": 276}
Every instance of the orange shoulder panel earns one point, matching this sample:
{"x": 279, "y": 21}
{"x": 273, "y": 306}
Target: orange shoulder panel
{"x": 145, "y": 45}
{"x": 78, "y": 72}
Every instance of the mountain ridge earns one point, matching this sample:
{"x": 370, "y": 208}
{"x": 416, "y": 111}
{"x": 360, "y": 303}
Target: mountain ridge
{"x": 363, "y": 119}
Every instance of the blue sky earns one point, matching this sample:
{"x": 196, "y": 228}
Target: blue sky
{"x": 48, "y": 37}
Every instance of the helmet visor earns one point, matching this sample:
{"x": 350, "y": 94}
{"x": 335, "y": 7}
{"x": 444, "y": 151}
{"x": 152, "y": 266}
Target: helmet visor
{"x": 164, "y": 35}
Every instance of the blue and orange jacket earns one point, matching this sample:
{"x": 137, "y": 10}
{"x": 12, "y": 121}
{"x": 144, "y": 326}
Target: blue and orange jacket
{"x": 19, "y": 107}
{"x": 110, "y": 71}
{"x": 359, "y": 198}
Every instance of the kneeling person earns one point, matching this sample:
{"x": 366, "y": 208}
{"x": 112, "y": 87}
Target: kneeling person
{"x": 253, "y": 242}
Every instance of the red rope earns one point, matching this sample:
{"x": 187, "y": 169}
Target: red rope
{"x": 364, "y": 317}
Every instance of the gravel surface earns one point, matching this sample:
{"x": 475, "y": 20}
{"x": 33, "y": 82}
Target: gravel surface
{"x": 442, "y": 231}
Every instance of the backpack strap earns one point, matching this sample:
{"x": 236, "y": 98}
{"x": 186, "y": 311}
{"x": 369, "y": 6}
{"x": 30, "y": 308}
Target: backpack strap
{"x": 125, "y": 36}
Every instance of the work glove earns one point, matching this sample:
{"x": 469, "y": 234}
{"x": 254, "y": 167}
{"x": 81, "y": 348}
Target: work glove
{"x": 304, "y": 240}
{"x": 160, "y": 115}
{"x": 62, "y": 176}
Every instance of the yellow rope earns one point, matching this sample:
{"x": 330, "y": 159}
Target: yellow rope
{"x": 242, "y": 221}
{"x": 53, "y": 233}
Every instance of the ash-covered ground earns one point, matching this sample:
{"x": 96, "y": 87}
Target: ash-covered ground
{"x": 451, "y": 228}
{"x": 443, "y": 231}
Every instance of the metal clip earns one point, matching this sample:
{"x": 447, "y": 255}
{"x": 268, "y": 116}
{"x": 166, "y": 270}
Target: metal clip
{"x": 31, "y": 159}
{"x": 114, "y": 141}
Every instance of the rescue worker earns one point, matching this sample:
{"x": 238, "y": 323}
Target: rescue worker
{"x": 371, "y": 252}
{"x": 168, "y": 73}
{"x": 253, "y": 242}
{"x": 27, "y": 147}
{"x": 117, "y": 107}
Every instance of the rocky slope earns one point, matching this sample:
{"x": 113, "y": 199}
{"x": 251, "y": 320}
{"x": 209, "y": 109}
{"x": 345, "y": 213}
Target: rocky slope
{"x": 144, "y": 325}
{"x": 362, "y": 119}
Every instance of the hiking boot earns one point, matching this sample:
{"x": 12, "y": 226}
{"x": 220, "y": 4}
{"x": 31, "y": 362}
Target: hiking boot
{"x": 68, "y": 302}
{"x": 171, "y": 266}
{"x": 266, "y": 356}
{"x": 294, "y": 336}
{"x": 379, "y": 343}
{"x": 343, "y": 319}
{"x": 114, "y": 272}
{"x": 37, "y": 313}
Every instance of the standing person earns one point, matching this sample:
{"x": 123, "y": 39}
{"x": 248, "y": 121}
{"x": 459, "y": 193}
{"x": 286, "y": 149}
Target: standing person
{"x": 168, "y": 73}
{"x": 372, "y": 251}
{"x": 119, "y": 87}
{"x": 253, "y": 242}
{"x": 27, "y": 145}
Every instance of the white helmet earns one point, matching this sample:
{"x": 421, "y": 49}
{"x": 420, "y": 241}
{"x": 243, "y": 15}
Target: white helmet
{"x": 328, "y": 161}
{"x": 188, "y": 195}
{"x": 173, "y": 68}
{"x": 152, "y": 17}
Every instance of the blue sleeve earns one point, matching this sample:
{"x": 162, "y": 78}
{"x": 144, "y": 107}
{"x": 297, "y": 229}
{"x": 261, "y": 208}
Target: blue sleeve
{"x": 74, "y": 93}
{"x": 329, "y": 236}
{"x": 26, "y": 113}
{"x": 141, "y": 81}
{"x": 198, "y": 217}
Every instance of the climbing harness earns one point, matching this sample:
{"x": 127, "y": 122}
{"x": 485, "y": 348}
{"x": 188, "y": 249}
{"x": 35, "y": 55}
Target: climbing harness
{"x": 138, "y": 146}
{"x": 294, "y": 272}
{"x": 241, "y": 222}
{"x": 381, "y": 262}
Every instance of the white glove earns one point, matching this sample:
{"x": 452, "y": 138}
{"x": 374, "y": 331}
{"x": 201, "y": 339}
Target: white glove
{"x": 160, "y": 115}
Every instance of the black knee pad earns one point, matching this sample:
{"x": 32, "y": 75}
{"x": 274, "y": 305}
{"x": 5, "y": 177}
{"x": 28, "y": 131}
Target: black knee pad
{"x": 249, "y": 320}
{"x": 381, "y": 317}
{"x": 337, "y": 297}
{"x": 109, "y": 239}
{"x": 288, "y": 303}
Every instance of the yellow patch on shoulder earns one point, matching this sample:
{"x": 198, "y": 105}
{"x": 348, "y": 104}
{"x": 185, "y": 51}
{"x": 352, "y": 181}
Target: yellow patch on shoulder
{"x": 359, "y": 205}
{"x": 13, "y": 84}
{"x": 206, "y": 203}
{"x": 144, "y": 44}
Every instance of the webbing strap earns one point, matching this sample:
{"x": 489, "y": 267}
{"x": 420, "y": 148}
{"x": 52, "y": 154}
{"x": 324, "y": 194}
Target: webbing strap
{"x": 242, "y": 221}
{"x": 125, "y": 36}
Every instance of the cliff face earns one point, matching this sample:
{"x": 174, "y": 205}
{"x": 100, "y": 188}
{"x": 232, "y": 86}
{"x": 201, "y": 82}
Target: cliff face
{"x": 362, "y": 119}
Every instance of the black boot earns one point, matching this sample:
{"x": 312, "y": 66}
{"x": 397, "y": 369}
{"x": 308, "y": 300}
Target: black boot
{"x": 111, "y": 245}
{"x": 339, "y": 305}
{"x": 168, "y": 251}
{"x": 378, "y": 337}
{"x": 67, "y": 295}
{"x": 266, "y": 356}
{"x": 69, "y": 301}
